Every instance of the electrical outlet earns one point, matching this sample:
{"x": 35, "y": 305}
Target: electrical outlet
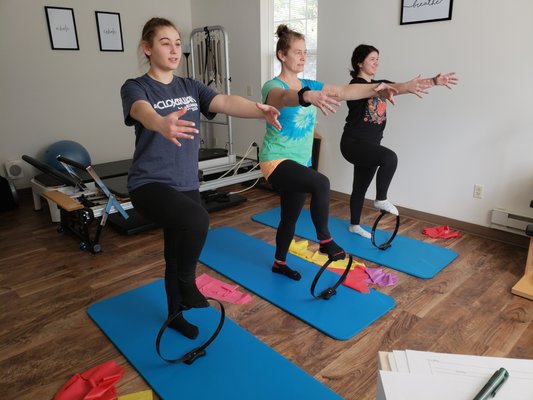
{"x": 249, "y": 91}
{"x": 478, "y": 191}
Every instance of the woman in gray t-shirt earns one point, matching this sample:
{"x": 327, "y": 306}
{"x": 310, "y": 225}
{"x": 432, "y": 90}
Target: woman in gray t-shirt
{"x": 163, "y": 179}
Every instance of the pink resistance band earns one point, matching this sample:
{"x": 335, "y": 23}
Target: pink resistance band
{"x": 442, "y": 232}
{"x": 97, "y": 383}
{"x": 211, "y": 287}
{"x": 360, "y": 277}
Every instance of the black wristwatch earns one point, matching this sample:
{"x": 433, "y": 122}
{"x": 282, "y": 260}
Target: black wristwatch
{"x": 301, "y": 100}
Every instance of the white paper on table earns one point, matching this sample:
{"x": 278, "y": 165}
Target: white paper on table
{"x": 409, "y": 386}
{"x": 392, "y": 362}
{"x": 519, "y": 385}
{"x": 400, "y": 358}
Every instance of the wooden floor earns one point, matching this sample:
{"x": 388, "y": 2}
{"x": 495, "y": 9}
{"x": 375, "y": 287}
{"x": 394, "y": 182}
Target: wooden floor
{"x": 47, "y": 283}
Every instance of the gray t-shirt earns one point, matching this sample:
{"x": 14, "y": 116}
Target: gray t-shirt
{"x": 156, "y": 159}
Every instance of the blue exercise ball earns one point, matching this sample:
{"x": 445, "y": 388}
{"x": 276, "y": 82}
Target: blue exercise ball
{"x": 68, "y": 149}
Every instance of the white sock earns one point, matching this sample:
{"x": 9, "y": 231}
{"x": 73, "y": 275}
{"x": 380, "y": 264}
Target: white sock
{"x": 386, "y": 205}
{"x": 357, "y": 229}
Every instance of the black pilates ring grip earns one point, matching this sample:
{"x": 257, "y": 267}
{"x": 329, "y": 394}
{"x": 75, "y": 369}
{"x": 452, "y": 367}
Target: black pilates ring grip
{"x": 387, "y": 244}
{"x": 326, "y": 294}
{"x": 197, "y": 352}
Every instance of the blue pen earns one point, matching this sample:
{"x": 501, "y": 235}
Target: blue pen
{"x": 493, "y": 385}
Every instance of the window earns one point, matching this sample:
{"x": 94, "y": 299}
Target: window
{"x": 301, "y": 16}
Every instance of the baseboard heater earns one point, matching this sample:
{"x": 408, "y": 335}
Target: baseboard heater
{"x": 509, "y": 221}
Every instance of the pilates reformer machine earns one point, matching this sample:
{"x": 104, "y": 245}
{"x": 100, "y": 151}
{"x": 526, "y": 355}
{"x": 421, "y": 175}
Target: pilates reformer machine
{"x": 50, "y": 179}
{"x": 86, "y": 195}
{"x": 82, "y": 199}
{"x": 210, "y": 65}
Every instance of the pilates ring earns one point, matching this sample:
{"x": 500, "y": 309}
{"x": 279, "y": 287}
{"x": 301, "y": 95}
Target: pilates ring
{"x": 387, "y": 244}
{"x": 326, "y": 294}
{"x": 197, "y": 352}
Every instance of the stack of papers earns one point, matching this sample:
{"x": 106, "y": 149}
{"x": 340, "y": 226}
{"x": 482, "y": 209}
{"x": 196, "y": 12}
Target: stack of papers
{"x": 417, "y": 375}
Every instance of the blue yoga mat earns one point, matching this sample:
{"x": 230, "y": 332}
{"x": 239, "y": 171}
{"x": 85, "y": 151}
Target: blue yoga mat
{"x": 237, "y": 364}
{"x": 414, "y": 257}
{"x": 247, "y": 261}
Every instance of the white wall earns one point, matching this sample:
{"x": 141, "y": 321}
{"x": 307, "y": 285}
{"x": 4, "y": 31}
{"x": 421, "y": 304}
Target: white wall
{"x": 480, "y": 132}
{"x": 49, "y": 95}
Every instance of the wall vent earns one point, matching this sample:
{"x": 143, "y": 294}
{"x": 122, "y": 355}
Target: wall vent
{"x": 509, "y": 221}
{"x": 14, "y": 169}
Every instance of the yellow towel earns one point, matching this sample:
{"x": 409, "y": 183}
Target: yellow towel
{"x": 143, "y": 395}
{"x": 300, "y": 249}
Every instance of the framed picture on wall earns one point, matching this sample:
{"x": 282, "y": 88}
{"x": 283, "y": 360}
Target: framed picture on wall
{"x": 109, "y": 31}
{"x": 62, "y": 28}
{"x": 418, "y": 11}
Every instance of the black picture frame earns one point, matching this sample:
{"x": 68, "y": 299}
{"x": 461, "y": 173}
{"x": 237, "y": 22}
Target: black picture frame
{"x": 62, "y": 28}
{"x": 421, "y": 11}
{"x": 109, "y": 30}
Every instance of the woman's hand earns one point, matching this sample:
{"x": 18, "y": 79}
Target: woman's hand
{"x": 447, "y": 80}
{"x": 172, "y": 127}
{"x": 270, "y": 114}
{"x": 418, "y": 86}
{"x": 386, "y": 91}
{"x": 325, "y": 101}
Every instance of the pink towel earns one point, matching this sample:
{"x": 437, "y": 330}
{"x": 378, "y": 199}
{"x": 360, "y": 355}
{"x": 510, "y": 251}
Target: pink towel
{"x": 211, "y": 287}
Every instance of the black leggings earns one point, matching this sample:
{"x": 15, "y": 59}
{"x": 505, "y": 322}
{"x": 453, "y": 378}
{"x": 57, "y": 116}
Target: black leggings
{"x": 293, "y": 181}
{"x": 368, "y": 157}
{"x": 185, "y": 224}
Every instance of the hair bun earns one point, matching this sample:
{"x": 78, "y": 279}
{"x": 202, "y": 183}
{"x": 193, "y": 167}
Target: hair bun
{"x": 282, "y": 30}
